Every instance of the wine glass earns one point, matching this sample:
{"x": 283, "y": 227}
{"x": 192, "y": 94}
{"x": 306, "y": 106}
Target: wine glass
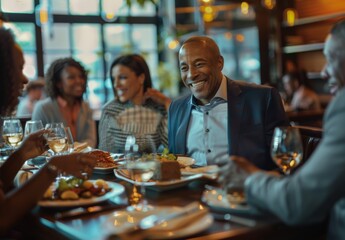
{"x": 12, "y": 132}
{"x": 69, "y": 141}
{"x": 286, "y": 148}
{"x": 56, "y": 138}
{"x": 141, "y": 168}
{"x": 32, "y": 126}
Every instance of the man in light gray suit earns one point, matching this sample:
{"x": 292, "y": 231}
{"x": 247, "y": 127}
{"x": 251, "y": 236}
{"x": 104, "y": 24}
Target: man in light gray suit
{"x": 317, "y": 189}
{"x": 221, "y": 116}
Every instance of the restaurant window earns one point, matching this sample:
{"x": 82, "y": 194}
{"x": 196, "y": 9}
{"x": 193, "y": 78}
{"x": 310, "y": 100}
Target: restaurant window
{"x": 17, "y": 6}
{"x": 25, "y": 36}
{"x": 79, "y": 31}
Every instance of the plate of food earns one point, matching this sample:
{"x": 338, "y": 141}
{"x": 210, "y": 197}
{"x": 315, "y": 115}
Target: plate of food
{"x": 105, "y": 162}
{"x": 74, "y": 192}
{"x": 232, "y": 202}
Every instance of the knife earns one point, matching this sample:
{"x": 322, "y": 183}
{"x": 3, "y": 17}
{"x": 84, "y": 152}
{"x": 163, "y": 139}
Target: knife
{"x": 235, "y": 219}
{"x": 154, "y": 220}
{"x": 80, "y": 212}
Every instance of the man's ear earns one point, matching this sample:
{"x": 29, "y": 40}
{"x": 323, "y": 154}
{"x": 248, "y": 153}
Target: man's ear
{"x": 220, "y": 63}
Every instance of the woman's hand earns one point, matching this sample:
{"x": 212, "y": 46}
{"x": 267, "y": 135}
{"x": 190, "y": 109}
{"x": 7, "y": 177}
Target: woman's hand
{"x": 157, "y": 97}
{"x": 76, "y": 164}
{"x": 33, "y": 145}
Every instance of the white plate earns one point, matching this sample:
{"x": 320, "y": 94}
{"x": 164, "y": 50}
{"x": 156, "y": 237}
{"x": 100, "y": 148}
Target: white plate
{"x": 215, "y": 201}
{"x": 99, "y": 170}
{"x": 185, "y": 161}
{"x": 210, "y": 172}
{"x": 108, "y": 170}
{"x": 158, "y": 185}
{"x": 116, "y": 189}
{"x": 121, "y": 220}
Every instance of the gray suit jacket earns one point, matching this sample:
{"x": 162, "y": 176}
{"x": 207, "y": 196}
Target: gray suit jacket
{"x": 253, "y": 113}
{"x": 316, "y": 189}
{"x": 48, "y": 111}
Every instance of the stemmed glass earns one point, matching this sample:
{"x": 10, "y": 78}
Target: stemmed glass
{"x": 286, "y": 148}
{"x": 141, "y": 167}
{"x": 69, "y": 141}
{"x": 12, "y": 132}
{"x": 32, "y": 126}
{"x": 56, "y": 138}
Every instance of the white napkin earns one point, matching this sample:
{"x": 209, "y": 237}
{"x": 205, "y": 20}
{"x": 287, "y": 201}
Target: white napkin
{"x": 80, "y": 147}
{"x": 193, "y": 212}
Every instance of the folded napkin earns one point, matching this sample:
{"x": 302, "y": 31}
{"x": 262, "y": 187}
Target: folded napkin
{"x": 21, "y": 177}
{"x": 80, "y": 147}
{"x": 185, "y": 216}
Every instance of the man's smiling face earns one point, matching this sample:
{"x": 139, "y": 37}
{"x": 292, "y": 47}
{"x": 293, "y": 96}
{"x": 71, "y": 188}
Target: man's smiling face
{"x": 200, "y": 69}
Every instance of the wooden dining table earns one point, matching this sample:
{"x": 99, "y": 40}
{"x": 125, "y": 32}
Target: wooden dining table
{"x": 267, "y": 227}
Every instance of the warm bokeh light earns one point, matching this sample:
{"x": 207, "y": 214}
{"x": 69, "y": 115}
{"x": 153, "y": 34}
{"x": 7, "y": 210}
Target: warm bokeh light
{"x": 228, "y": 35}
{"x": 240, "y": 38}
{"x": 290, "y": 16}
{"x": 269, "y": 4}
{"x": 43, "y": 16}
{"x": 244, "y": 8}
{"x": 173, "y": 44}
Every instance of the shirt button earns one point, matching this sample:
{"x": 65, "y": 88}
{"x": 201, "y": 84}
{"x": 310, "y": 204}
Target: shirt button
{"x": 207, "y": 130}
{"x": 209, "y": 150}
{"x": 206, "y": 113}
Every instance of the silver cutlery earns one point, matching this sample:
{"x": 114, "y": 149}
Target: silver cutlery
{"x": 154, "y": 220}
{"x": 80, "y": 212}
{"x": 235, "y": 219}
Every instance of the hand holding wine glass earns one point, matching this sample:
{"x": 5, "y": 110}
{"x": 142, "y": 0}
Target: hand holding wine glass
{"x": 286, "y": 148}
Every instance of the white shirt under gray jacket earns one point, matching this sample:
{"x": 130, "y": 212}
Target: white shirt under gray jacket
{"x": 316, "y": 190}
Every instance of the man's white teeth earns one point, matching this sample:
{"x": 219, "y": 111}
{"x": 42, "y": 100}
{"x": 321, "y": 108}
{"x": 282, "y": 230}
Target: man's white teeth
{"x": 119, "y": 92}
{"x": 198, "y": 84}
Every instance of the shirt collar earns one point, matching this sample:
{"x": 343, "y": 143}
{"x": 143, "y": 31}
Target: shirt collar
{"x": 221, "y": 93}
{"x": 62, "y": 102}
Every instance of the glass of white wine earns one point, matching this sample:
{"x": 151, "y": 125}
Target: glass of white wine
{"x": 12, "y": 132}
{"x": 286, "y": 148}
{"x": 56, "y": 137}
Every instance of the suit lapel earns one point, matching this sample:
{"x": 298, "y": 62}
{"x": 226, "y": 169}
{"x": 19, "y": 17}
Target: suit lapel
{"x": 235, "y": 110}
{"x": 181, "y": 135}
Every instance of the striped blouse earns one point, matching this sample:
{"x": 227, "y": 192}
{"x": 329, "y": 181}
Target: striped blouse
{"x": 119, "y": 120}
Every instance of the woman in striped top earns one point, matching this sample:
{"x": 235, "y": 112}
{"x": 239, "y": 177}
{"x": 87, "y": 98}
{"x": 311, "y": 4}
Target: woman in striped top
{"x": 136, "y": 110}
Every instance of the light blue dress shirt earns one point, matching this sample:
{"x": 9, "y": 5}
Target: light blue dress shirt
{"x": 207, "y": 138}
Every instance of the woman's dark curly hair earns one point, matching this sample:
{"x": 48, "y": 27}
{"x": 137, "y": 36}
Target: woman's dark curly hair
{"x": 9, "y": 75}
{"x": 53, "y": 75}
{"x": 137, "y": 64}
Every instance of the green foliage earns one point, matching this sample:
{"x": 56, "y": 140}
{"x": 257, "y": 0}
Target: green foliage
{"x": 140, "y": 2}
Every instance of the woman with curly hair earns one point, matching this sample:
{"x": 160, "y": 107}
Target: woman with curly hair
{"x": 15, "y": 203}
{"x": 65, "y": 84}
{"x": 136, "y": 110}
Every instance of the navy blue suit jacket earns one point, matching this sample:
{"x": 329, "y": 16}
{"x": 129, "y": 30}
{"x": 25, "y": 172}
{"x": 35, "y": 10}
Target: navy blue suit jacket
{"x": 253, "y": 113}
